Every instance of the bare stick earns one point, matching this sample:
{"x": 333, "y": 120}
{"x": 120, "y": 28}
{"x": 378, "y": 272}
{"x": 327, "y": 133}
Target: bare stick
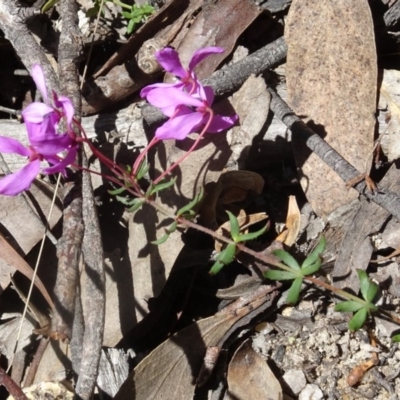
{"x": 388, "y": 200}
{"x": 11, "y": 386}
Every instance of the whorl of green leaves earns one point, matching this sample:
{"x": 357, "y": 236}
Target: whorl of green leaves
{"x": 363, "y": 307}
{"x": 297, "y": 273}
{"x": 227, "y": 255}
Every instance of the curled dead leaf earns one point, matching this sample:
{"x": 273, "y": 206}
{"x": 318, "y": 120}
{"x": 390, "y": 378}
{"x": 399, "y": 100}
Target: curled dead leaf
{"x": 231, "y": 187}
{"x": 293, "y": 221}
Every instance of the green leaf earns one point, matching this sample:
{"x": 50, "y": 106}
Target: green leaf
{"x": 168, "y": 231}
{"x": 126, "y": 14}
{"x": 228, "y": 254}
{"x": 348, "y": 306}
{"x": 161, "y": 186}
{"x": 172, "y": 227}
{"x": 91, "y": 12}
{"x": 287, "y": 258}
{"x": 137, "y": 20}
{"x": 315, "y": 254}
{"x": 130, "y": 27}
{"x": 136, "y": 204}
{"x": 162, "y": 240}
{"x": 252, "y": 235}
{"x": 372, "y": 291}
{"x": 216, "y": 268}
{"x": 143, "y": 169}
{"x": 235, "y": 230}
{"x": 294, "y": 291}
{"x": 117, "y": 191}
{"x": 311, "y": 269}
{"x": 189, "y": 214}
{"x": 192, "y": 204}
{"x": 368, "y": 288}
{"x": 147, "y": 9}
{"x": 136, "y": 12}
{"x": 358, "y": 320}
{"x": 127, "y": 201}
{"x": 396, "y": 338}
{"x": 46, "y": 6}
{"x": 278, "y": 275}
{"x": 224, "y": 258}
{"x": 371, "y": 308}
{"x": 364, "y": 282}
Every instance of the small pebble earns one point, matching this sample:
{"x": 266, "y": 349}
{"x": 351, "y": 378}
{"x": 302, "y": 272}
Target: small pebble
{"x": 311, "y": 392}
{"x": 295, "y": 380}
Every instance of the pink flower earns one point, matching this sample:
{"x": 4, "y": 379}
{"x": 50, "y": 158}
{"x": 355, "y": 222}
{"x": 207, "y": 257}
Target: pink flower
{"x": 187, "y": 113}
{"x": 45, "y": 143}
{"x": 169, "y": 60}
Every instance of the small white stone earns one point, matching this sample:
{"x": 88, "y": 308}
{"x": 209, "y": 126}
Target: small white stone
{"x": 296, "y": 380}
{"x": 311, "y": 392}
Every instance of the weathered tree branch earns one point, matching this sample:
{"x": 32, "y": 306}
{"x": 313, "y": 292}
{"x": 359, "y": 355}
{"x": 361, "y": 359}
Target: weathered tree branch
{"x": 94, "y": 279}
{"x": 383, "y": 197}
{"x": 13, "y": 23}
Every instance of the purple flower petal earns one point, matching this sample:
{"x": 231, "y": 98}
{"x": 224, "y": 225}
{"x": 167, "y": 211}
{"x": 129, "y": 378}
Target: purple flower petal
{"x": 46, "y": 130}
{"x": 180, "y": 126}
{"x": 169, "y": 60}
{"x": 145, "y": 91}
{"x": 201, "y": 54}
{"x": 9, "y": 145}
{"x": 220, "y": 123}
{"x": 38, "y": 77}
{"x": 171, "y": 97}
{"x": 59, "y": 166}
{"x": 35, "y": 112}
{"x": 66, "y": 104}
{"x": 21, "y": 180}
{"x": 206, "y": 93}
{"x": 54, "y": 145}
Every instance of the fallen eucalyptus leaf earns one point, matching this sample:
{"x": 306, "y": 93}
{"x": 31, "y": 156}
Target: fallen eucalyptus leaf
{"x": 331, "y": 77}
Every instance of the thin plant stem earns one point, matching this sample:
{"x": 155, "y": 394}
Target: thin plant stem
{"x": 123, "y": 5}
{"x": 141, "y": 156}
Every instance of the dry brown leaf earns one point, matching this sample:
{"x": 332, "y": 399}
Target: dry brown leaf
{"x": 217, "y": 25}
{"x": 232, "y": 186}
{"x": 12, "y": 261}
{"x": 170, "y": 371}
{"x": 249, "y": 377}
{"x": 9, "y": 333}
{"x": 331, "y": 80}
{"x": 24, "y": 228}
{"x": 293, "y": 221}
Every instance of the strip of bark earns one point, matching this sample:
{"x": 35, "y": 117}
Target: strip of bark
{"x": 69, "y": 246}
{"x": 231, "y": 77}
{"x": 13, "y": 19}
{"x": 11, "y": 386}
{"x": 94, "y": 300}
{"x": 383, "y": 197}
